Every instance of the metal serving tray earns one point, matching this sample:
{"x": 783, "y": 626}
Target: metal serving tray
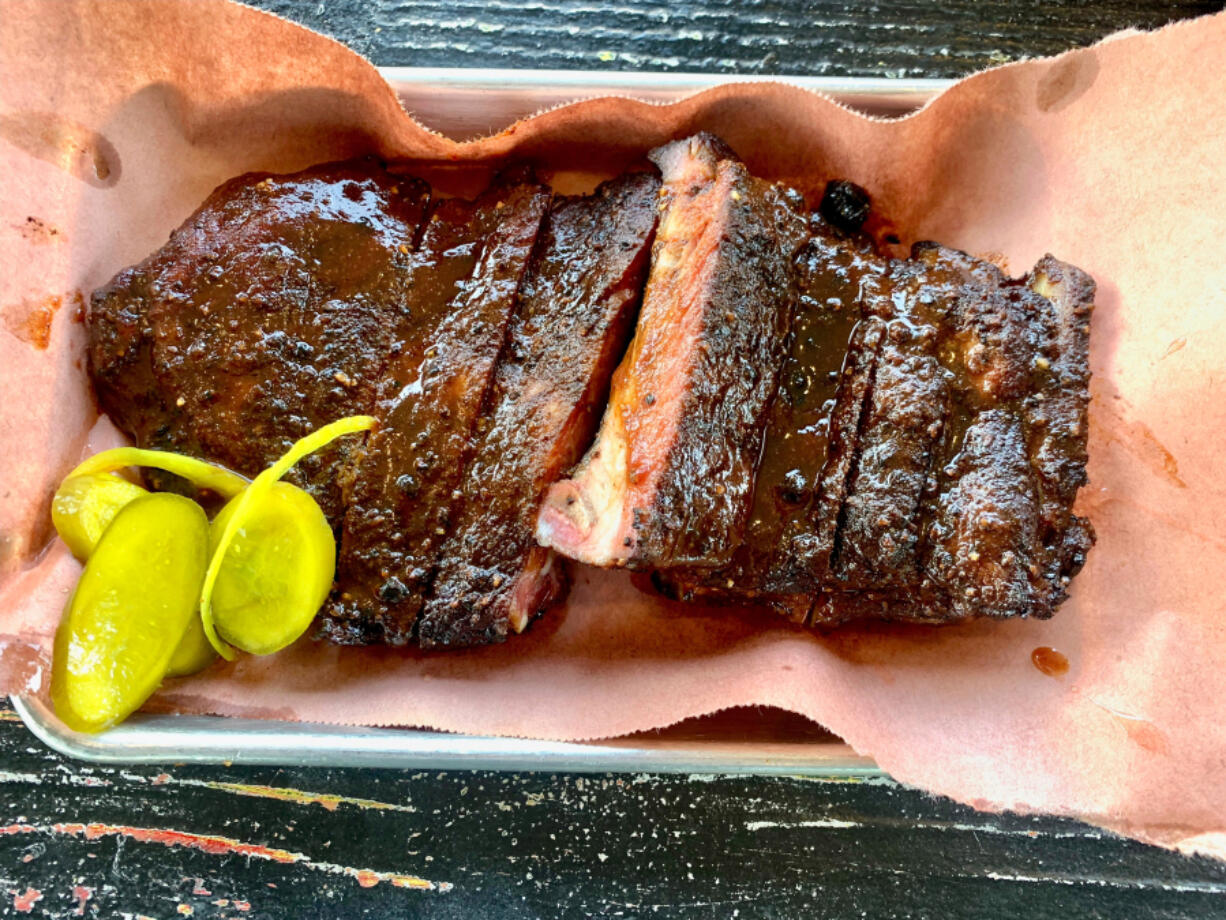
{"x": 464, "y": 104}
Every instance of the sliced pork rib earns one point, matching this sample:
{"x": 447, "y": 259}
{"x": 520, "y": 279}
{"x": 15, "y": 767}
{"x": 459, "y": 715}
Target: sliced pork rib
{"x": 271, "y": 311}
{"x": 796, "y": 422}
{"x": 1003, "y": 538}
{"x": 955, "y": 447}
{"x": 897, "y": 441}
{"x": 404, "y": 489}
{"x": 832, "y": 354}
{"x": 669, "y": 480}
{"x": 576, "y": 312}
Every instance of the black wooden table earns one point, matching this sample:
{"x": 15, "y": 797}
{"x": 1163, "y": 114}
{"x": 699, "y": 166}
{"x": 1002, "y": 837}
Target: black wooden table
{"x": 172, "y": 841}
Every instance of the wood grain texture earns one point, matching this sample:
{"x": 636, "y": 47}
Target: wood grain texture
{"x": 892, "y": 38}
{"x": 213, "y": 842}
{"x": 261, "y": 842}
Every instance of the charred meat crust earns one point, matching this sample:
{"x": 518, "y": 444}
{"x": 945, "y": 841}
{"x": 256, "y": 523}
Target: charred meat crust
{"x": 986, "y": 524}
{"x": 782, "y": 548}
{"x": 956, "y": 447}
{"x": 996, "y": 533}
{"x": 407, "y": 485}
{"x": 576, "y": 311}
{"x": 669, "y": 480}
{"x": 877, "y": 532}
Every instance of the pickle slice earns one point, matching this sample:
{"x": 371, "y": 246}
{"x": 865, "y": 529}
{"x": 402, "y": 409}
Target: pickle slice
{"x": 129, "y": 611}
{"x": 194, "y": 651}
{"x": 301, "y": 532}
{"x": 84, "y": 506}
{"x": 277, "y": 571}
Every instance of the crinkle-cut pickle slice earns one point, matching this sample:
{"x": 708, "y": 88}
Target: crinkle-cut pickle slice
{"x": 289, "y": 552}
{"x": 200, "y": 473}
{"x": 134, "y": 601}
{"x": 84, "y": 506}
{"x": 277, "y": 571}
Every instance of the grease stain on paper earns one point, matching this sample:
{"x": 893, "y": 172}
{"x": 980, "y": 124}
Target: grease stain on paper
{"x": 1139, "y": 440}
{"x": 80, "y": 151}
{"x": 31, "y": 320}
{"x": 1175, "y": 346}
{"x": 38, "y": 231}
{"x": 1049, "y": 661}
{"x": 1141, "y": 732}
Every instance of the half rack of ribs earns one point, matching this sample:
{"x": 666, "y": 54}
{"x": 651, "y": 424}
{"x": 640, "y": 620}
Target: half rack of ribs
{"x": 684, "y": 373}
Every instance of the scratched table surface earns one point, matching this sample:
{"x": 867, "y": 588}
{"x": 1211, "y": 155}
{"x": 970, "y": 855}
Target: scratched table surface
{"x": 170, "y": 841}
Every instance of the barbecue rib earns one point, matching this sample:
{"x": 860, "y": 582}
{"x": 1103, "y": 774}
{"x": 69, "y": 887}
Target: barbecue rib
{"x": 471, "y": 261}
{"x": 956, "y": 446}
{"x": 798, "y": 422}
{"x": 670, "y": 477}
{"x": 576, "y": 311}
{"x": 831, "y": 354}
{"x": 273, "y": 310}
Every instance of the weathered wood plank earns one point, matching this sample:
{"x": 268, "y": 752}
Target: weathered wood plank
{"x": 266, "y": 842}
{"x": 912, "y": 38}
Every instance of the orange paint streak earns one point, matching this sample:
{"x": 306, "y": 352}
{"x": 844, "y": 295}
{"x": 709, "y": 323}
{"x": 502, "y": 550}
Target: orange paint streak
{"x": 327, "y": 800}
{"x": 207, "y": 843}
{"x": 82, "y": 894}
{"x": 244, "y": 906}
{"x": 412, "y": 881}
{"x": 227, "y": 846}
{"x": 10, "y": 829}
{"x": 25, "y": 901}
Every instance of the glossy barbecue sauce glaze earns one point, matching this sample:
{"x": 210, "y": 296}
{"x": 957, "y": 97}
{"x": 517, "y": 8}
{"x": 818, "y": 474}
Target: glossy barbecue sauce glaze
{"x": 407, "y": 486}
{"x": 830, "y": 270}
{"x": 931, "y": 478}
{"x": 274, "y": 309}
{"x": 899, "y": 407}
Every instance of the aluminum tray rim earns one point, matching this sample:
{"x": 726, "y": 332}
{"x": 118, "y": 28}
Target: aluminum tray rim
{"x": 911, "y": 91}
{"x": 153, "y": 739}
